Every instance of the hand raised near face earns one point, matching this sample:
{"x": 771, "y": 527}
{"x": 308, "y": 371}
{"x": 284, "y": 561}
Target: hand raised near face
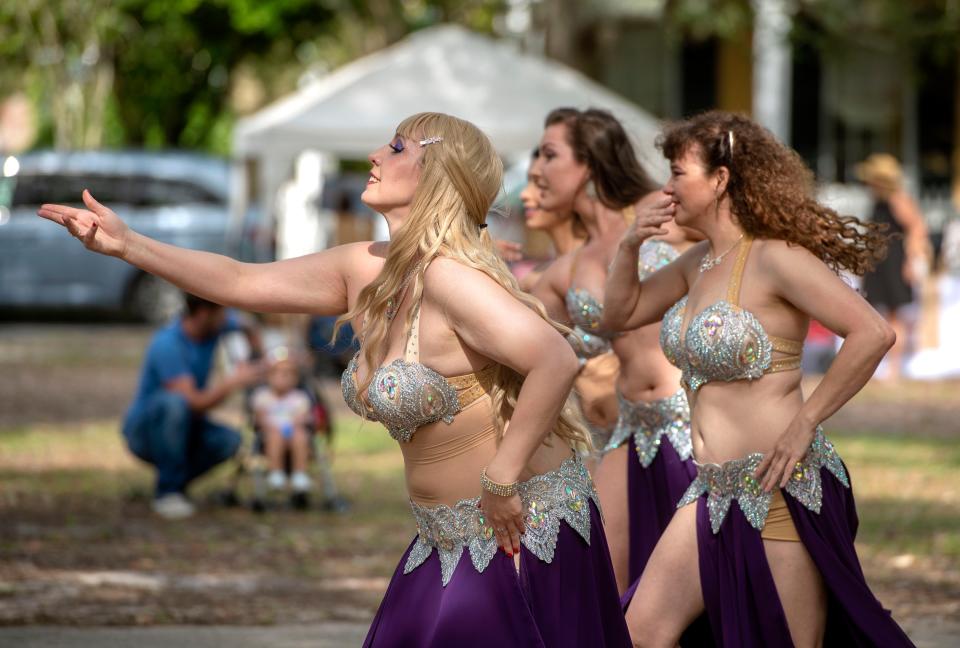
{"x": 97, "y": 227}
{"x": 651, "y": 215}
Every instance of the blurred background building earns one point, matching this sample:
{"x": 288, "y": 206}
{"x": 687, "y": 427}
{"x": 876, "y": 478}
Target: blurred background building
{"x": 292, "y": 95}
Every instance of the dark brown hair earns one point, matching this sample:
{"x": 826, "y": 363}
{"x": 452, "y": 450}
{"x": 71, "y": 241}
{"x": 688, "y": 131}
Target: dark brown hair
{"x": 771, "y": 190}
{"x": 599, "y": 141}
{"x": 196, "y": 304}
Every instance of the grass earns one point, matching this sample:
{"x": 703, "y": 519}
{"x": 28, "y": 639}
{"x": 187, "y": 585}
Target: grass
{"x": 908, "y": 495}
{"x": 74, "y": 501}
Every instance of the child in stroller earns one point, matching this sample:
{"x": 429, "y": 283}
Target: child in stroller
{"x": 282, "y": 412}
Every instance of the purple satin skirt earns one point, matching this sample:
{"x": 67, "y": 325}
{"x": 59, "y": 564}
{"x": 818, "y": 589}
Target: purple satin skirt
{"x": 739, "y": 591}
{"x": 653, "y": 493}
{"x": 570, "y": 602}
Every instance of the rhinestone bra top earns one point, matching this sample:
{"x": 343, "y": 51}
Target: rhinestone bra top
{"x": 734, "y": 480}
{"x": 649, "y": 422}
{"x": 586, "y": 311}
{"x": 563, "y": 494}
{"x": 653, "y": 256}
{"x": 405, "y": 395}
{"x": 723, "y": 341}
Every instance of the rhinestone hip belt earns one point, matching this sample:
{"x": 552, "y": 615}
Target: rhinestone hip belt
{"x": 734, "y": 480}
{"x": 649, "y": 422}
{"x": 561, "y": 494}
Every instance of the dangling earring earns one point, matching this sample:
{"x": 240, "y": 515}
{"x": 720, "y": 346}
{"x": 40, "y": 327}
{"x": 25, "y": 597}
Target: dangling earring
{"x": 591, "y": 190}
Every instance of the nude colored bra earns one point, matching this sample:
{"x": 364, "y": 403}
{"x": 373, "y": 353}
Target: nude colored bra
{"x": 586, "y": 311}
{"x": 405, "y": 395}
{"x": 723, "y": 341}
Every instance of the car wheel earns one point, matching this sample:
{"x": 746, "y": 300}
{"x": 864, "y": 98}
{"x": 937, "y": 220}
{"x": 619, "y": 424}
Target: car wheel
{"x": 154, "y": 300}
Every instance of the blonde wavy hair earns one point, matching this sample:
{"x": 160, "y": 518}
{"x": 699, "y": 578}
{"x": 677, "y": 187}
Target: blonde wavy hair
{"x": 459, "y": 180}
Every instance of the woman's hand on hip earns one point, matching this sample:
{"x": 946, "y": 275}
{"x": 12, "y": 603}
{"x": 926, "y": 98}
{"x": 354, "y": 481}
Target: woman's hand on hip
{"x": 777, "y": 466}
{"x": 505, "y": 516}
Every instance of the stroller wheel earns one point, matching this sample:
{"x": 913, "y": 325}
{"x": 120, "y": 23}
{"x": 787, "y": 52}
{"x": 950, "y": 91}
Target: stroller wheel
{"x": 229, "y": 499}
{"x": 300, "y": 501}
{"x": 336, "y": 505}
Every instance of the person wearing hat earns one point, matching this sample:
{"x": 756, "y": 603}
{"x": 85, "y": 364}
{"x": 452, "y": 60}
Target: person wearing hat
{"x": 889, "y": 286}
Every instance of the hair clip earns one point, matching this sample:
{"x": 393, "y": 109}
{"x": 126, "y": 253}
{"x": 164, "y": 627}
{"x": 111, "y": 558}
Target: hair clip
{"x": 730, "y": 141}
{"x": 482, "y": 226}
{"x": 431, "y": 140}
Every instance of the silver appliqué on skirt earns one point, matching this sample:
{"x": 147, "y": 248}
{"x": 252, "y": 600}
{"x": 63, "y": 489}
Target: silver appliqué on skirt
{"x": 650, "y": 422}
{"x": 734, "y": 480}
{"x": 561, "y": 494}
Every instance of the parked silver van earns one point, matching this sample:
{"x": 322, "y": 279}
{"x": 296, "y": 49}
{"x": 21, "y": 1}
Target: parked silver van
{"x": 178, "y": 198}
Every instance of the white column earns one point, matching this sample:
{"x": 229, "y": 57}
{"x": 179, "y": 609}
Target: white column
{"x": 772, "y": 72}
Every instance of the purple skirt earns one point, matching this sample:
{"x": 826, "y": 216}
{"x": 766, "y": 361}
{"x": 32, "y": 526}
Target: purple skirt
{"x": 740, "y": 594}
{"x": 571, "y": 601}
{"x": 653, "y": 493}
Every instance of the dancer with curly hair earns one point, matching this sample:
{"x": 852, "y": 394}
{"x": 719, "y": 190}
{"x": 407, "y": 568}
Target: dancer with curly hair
{"x": 779, "y": 568}
{"x": 590, "y": 166}
{"x": 480, "y": 417}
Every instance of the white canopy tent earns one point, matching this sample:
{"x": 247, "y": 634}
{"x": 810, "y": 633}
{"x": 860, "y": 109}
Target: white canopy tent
{"x": 356, "y": 108}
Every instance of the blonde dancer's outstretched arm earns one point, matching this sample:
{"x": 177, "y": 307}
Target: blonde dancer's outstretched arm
{"x": 316, "y": 283}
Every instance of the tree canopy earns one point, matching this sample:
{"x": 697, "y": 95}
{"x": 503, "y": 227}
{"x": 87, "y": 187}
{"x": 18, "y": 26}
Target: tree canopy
{"x": 163, "y": 73}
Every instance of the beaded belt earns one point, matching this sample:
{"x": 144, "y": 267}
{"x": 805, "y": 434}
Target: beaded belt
{"x": 734, "y": 480}
{"x": 561, "y": 494}
{"x": 649, "y": 422}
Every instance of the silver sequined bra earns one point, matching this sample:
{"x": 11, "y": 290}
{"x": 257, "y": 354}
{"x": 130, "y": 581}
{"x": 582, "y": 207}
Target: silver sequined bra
{"x": 585, "y": 311}
{"x": 723, "y": 341}
{"x": 405, "y": 395}
{"x": 563, "y": 494}
{"x": 734, "y": 480}
{"x": 650, "y": 422}
{"x": 653, "y": 256}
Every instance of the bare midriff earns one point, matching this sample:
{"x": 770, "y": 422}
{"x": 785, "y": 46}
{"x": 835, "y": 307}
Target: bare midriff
{"x": 733, "y": 419}
{"x": 645, "y": 373}
{"x": 443, "y": 461}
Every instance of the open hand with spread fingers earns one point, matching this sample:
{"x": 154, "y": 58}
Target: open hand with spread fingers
{"x": 651, "y": 215}
{"x": 97, "y": 227}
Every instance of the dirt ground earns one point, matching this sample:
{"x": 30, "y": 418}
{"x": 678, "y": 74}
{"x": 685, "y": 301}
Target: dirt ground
{"x": 84, "y": 550}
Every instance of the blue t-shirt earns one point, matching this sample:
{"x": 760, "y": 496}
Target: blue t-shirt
{"x": 172, "y": 354}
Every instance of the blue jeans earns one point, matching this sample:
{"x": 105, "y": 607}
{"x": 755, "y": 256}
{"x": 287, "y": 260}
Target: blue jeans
{"x": 181, "y": 444}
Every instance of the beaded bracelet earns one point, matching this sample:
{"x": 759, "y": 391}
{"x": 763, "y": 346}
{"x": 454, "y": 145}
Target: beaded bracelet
{"x": 503, "y": 490}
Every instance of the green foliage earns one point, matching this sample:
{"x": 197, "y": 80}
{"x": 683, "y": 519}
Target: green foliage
{"x": 161, "y": 73}
{"x": 933, "y": 25}
{"x": 703, "y": 19}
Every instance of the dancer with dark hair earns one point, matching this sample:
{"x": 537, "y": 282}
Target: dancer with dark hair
{"x": 564, "y": 228}
{"x": 779, "y": 568}
{"x": 481, "y": 417}
{"x": 590, "y": 166}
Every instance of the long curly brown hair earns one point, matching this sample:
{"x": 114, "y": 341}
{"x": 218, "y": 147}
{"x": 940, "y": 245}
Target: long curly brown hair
{"x": 772, "y": 192}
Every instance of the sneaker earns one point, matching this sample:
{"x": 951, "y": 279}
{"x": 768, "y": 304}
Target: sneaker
{"x": 173, "y": 506}
{"x": 276, "y": 480}
{"x": 300, "y": 482}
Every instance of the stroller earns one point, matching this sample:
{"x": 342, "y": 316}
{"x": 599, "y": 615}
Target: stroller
{"x": 252, "y": 459}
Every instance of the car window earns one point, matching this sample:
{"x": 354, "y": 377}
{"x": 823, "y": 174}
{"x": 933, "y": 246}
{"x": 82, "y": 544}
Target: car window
{"x": 31, "y": 190}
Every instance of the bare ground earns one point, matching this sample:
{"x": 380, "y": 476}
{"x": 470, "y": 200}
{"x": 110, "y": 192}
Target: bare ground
{"x": 78, "y": 545}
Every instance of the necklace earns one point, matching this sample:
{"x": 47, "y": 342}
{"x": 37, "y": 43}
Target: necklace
{"x": 707, "y": 262}
{"x": 393, "y": 305}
